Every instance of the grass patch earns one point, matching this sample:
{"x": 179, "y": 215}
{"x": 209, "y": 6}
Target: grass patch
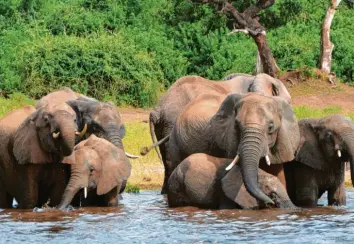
{"x": 148, "y": 171}
{"x": 304, "y": 112}
{"x": 132, "y": 188}
{"x": 15, "y": 101}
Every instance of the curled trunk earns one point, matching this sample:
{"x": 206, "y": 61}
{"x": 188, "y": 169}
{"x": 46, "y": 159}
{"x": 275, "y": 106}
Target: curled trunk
{"x": 67, "y": 130}
{"x": 251, "y": 149}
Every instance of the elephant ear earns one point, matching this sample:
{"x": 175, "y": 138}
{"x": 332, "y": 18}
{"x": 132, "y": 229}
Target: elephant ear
{"x": 288, "y": 136}
{"x": 115, "y": 169}
{"x": 26, "y": 146}
{"x": 310, "y": 152}
{"x": 223, "y": 126}
{"x": 235, "y": 190}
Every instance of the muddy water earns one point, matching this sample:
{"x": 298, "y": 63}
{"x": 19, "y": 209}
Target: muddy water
{"x": 145, "y": 218}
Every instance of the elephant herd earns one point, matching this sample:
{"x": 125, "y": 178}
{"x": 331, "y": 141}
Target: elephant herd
{"x": 234, "y": 143}
{"x": 67, "y": 147}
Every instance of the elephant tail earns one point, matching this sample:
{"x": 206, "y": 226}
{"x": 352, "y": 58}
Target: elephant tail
{"x": 146, "y": 150}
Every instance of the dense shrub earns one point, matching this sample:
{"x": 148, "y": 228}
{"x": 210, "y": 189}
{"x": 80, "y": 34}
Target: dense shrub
{"x": 129, "y": 51}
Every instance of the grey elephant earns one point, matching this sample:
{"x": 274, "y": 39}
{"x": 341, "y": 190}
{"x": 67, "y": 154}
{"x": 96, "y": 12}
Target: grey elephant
{"x": 99, "y": 169}
{"x": 325, "y": 145}
{"x": 201, "y": 180}
{"x": 99, "y": 118}
{"x": 30, "y": 155}
{"x": 258, "y": 129}
{"x": 164, "y": 116}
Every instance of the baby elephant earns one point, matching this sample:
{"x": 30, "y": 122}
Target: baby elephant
{"x": 99, "y": 167}
{"x": 326, "y": 144}
{"x": 203, "y": 181}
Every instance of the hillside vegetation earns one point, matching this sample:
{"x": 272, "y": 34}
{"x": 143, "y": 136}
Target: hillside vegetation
{"x": 130, "y": 51}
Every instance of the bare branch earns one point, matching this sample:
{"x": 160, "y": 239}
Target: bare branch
{"x": 238, "y": 30}
{"x": 253, "y": 10}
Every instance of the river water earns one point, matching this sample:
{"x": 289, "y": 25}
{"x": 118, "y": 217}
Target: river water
{"x": 145, "y": 218}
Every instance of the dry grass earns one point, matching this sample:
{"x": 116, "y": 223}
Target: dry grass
{"x": 147, "y": 171}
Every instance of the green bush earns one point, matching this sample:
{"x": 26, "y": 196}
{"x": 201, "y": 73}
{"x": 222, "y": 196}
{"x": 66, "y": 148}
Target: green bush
{"x": 129, "y": 51}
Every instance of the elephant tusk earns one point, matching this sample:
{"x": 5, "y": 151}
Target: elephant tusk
{"x": 339, "y": 153}
{"x": 56, "y": 135}
{"x": 131, "y": 155}
{"x": 82, "y": 133}
{"x": 267, "y": 160}
{"x": 233, "y": 163}
{"x": 85, "y": 192}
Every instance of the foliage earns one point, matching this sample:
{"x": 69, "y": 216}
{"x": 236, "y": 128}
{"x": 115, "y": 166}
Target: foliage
{"x": 15, "y": 101}
{"x": 130, "y": 51}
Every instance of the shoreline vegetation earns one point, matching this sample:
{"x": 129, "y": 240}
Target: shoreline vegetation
{"x": 148, "y": 171}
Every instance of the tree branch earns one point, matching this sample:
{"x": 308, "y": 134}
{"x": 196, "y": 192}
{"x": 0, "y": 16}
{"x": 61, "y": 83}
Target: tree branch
{"x": 253, "y": 10}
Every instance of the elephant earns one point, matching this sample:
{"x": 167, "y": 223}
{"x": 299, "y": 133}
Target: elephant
{"x": 164, "y": 116}
{"x": 202, "y": 181}
{"x": 101, "y": 118}
{"x": 325, "y": 145}
{"x": 30, "y": 155}
{"x": 99, "y": 167}
{"x": 257, "y": 129}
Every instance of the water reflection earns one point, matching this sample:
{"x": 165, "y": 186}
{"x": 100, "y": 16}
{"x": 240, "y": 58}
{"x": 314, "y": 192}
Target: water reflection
{"x": 145, "y": 218}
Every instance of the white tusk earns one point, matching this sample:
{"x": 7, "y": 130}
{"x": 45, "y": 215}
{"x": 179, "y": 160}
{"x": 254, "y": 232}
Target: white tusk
{"x": 339, "y": 153}
{"x": 85, "y": 192}
{"x": 267, "y": 160}
{"x": 236, "y": 159}
{"x": 131, "y": 155}
{"x": 56, "y": 135}
{"x": 82, "y": 133}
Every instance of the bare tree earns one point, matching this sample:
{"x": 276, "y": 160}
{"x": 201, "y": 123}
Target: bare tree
{"x": 247, "y": 22}
{"x": 326, "y": 44}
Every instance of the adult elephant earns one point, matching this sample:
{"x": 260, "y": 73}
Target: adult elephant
{"x": 249, "y": 127}
{"x": 202, "y": 181}
{"x": 100, "y": 167}
{"x": 93, "y": 116}
{"x": 164, "y": 116}
{"x": 325, "y": 145}
{"x": 30, "y": 154}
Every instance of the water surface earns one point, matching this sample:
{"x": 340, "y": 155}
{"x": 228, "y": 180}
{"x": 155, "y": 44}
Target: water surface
{"x": 145, "y": 218}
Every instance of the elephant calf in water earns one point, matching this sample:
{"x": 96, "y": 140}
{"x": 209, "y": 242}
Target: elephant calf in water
{"x": 99, "y": 168}
{"x": 203, "y": 181}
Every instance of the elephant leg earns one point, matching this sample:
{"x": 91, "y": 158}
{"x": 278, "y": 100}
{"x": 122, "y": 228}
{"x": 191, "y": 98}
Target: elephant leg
{"x": 336, "y": 195}
{"x": 58, "y": 188}
{"x": 29, "y": 186}
{"x": 111, "y": 199}
{"x": 307, "y": 191}
{"x": 5, "y": 198}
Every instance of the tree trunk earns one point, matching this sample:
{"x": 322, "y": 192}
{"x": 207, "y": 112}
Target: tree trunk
{"x": 326, "y": 44}
{"x": 247, "y": 22}
{"x": 268, "y": 63}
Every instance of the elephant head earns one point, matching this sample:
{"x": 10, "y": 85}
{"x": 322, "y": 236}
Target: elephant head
{"x": 252, "y": 127}
{"x": 269, "y": 86}
{"x": 95, "y": 164}
{"x": 46, "y": 136}
{"x": 234, "y": 189}
{"x": 102, "y": 119}
{"x": 325, "y": 141}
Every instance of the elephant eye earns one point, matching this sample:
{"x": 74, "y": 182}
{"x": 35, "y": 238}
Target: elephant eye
{"x": 329, "y": 135}
{"x": 91, "y": 169}
{"x": 271, "y": 127}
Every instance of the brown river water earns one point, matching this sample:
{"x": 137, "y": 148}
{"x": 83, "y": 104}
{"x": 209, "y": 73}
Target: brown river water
{"x": 145, "y": 218}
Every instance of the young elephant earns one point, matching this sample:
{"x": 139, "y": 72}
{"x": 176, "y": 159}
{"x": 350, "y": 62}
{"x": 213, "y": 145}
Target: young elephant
{"x": 325, "y": 145}
{"x": 98, "y": 165}
{"x": 202, "y": 181}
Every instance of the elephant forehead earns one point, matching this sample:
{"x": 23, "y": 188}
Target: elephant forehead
{"x": 60, "y": 108}
{"x": 107, "y": 114}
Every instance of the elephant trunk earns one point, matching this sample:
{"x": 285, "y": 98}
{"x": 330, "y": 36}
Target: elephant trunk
{"x": 112, "y": 134}
{"x": 74, "y": 185}
{"x": 251, "y": 148}
{"x": 348, "y": 139}
{"x": 67, "y": 128}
